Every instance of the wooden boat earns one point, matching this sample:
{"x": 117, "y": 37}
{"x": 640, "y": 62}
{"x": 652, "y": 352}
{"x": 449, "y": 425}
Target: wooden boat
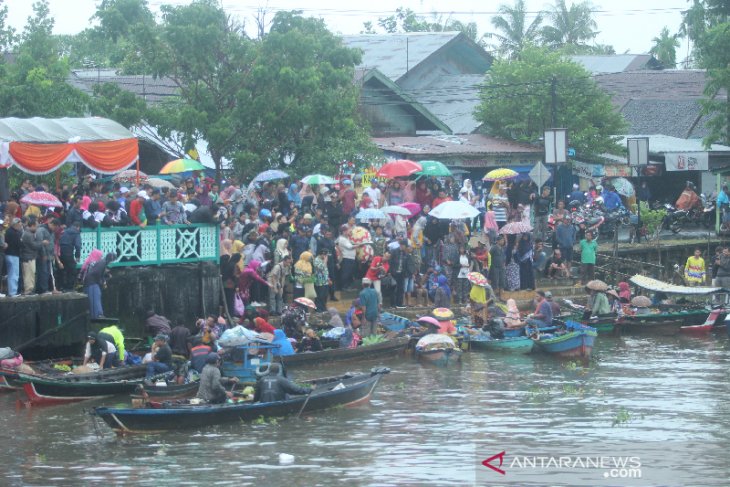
{"x": 439, "y": 357}
{"x": 574, "y": 340}
{"x": 47, "y": 391}
{"x": 393, "y": 347}
{"x": 346, "y": 390}
{"x": 520, "y": 332}
{"x": 154, "y": 392}
{"x": 5, "y": 385}
{"x": 242, "y": 361}
{"x": 715, "y": 320}
{"x": 521, "y": 344}
{"x": 393, "y": 322}
{"x": 665, "y": 323}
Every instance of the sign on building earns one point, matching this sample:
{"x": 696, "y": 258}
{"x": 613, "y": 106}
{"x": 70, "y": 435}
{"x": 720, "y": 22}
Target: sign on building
{"x": 687, "y": 161}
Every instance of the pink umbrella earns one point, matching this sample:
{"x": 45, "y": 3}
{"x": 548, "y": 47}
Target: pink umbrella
{"x": 41, "y": 198}
{"x": 429, "y": 319}
{"x": 514, "y": 228}
{"x": 414, "y": 208}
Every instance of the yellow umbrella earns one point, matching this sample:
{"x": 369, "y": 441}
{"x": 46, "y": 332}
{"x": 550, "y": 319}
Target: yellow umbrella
{"x": 500, "y": 174}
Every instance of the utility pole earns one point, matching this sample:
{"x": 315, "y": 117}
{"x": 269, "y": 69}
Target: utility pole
{"x": 554, "y": 101}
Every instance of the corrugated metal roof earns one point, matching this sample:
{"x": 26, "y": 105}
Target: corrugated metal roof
{"x": 614, "y": 63}
{"x": 395, "y": 54}
{"x": 659, "y": 144}
{"x": 666, "y": 85}
{"x": 472, "y": 144}
{"x": 453, "y": 99}
{"x": 151, "y": 89}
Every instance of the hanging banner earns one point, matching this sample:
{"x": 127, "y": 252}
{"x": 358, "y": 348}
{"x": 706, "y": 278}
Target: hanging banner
{"x": 687, "y": 161}
{"x": 617, "y": 171}
{"x": 367, "y": 175}
{"x": 587, "y": 171}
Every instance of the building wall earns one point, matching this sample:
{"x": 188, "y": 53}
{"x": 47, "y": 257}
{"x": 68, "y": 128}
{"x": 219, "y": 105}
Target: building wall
{"x": 386, "y": 114}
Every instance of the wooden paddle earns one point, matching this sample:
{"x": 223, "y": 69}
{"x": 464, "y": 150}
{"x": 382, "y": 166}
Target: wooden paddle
{"x": 305, "y": 403}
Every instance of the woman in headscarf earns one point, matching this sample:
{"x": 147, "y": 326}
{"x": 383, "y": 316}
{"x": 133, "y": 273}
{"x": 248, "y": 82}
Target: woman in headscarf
{"x": 94, "y": 256}
{"x": 394, "y": 195}
{"x": 478, "y": 302}
{"x": 335, "y": 318}
{"x": 303, "y": 273}
{"x": 281, "y": 250}
{"x": 293, "y": 195}
{"x": 423, "y": 194}
{"x": 237, "y": 248}
{"x": 467, "y": 191}
{"x": 513, "y": 319}
{"x": 442, "y": 298}
{"x": 491, "y": 227}
{"x": 248, "y": 277}
{"x": 307, "y": 197}
{"x": 11, "y": 211}
{"x": 624, "y": 292}
{"x": 524, "y": 256}
{"x": 284, "y": 345}
{"x": 409, "y": 192}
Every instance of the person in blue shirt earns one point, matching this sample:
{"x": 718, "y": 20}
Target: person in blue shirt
{"x": 611, "y": 199}
{"x": 723, "y": 202}
{"x": 577, "y": 195}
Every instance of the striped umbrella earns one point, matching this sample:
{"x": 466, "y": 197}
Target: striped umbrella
{"x": 181, "y": 165}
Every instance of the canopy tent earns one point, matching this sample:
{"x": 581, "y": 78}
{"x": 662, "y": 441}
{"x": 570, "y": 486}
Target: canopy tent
{"x": 42, "y": 145}
{"x": 660, "y": 286}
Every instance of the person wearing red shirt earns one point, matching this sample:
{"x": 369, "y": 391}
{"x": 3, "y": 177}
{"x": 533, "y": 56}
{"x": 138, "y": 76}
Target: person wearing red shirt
{"x": 379, "y": 267}
{"x": 347, "y": 197}
{"x": 136, "y": 209}
{"x": 442, "y": 197}
{"x": 263, "y": 326}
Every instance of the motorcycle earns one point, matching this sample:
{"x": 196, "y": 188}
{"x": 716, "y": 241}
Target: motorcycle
{"x": 709, "y": 211}
{"x": 675, "y": 219}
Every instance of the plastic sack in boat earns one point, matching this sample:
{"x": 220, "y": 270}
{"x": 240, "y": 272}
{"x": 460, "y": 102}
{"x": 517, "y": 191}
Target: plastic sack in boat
{"x": 11, "y": 360}
{"x": 334, "y": 333}
{"x": 237, "y": 336}
{"x": 435, "y": 342}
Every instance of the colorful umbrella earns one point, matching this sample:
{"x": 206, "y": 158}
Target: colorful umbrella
{"x": 414, "y": 208}
{"x": 306, "y": 302}
{"x": 433, "y": 168}
{"x": 370, "y": 214}
{"x": 398, "y": 169}
{"x": 515, "y": 228}
{"x": 500, "y": 174}
{"x": 396, "y": 210}
{"x": 181, "y": 165}
{"x": 429, "y": 319}
{"x": 41, "y": 198}
{"x": 270, "y": 175}
{"x": 454, "y": 210}
{"x": 443, "y": 314}
{"x": 160, "y": 183}
{"x": 623, "y": 186}
{"x": 318, "y": 179}
{"x": 130, "y": 176}
{"x": 477, "y": 279}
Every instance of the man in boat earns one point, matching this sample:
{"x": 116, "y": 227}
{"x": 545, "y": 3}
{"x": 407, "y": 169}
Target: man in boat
{"x": 371, "y": 305}
{"x": 211, "y": 388}
{"x": 272, "y": 386}
{"x": 161, "y": 357}
{"x": 555, "y": 307}
{"x": 103, "y": 352}
{"x": 157, "y": 324}
{"x": 113, "y": 334}
{"x": 543, "y": 315}
{"x": 199, "y": 353}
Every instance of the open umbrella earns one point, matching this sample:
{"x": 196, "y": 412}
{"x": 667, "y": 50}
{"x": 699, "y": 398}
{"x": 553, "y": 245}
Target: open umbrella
{"x": 433, "y": 168}
{"x": 597, "y": 285}
{"x": 318, "y": 179}
{"x": 641, "y": 302}
{"x": 623, "y": 186}
{"x": 500, "y": 174}
{"x": 477, "y": 279}
{"x": 160, "y": 183}
{"x": 41, "y": 198}
{"x": 413, "y": 208}
{"x": 398, "y": 169}
{"x": 454, "y": 210}
{"x": 429, "y": 319}
{"x": 306, "y": 302}
{"x": 130, "y": 176}
{"x": 181, "y": 165}
{"x": 514, "y": 228}
{"x": 396, "y": 210}
{"x": 443, "y": 314}
{"x": 270, "y": 175}
{"x": 369, "y": 214}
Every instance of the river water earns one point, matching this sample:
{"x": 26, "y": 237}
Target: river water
{"x": 650, "y": 397}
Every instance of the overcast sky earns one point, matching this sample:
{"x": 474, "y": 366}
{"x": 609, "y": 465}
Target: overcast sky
{"x": 628, "y": 25}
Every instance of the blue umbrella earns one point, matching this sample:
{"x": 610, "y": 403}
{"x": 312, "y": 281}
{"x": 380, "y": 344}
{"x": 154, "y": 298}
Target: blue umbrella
{"x": 370, "y": 214}
{"x": 270, "y": 175}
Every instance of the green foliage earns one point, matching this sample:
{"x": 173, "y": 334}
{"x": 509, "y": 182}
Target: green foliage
{"x": 406, "y": 20}
{"x": 517, "y": 102}
{"x": 514, "y": 33}
{"x": 652, "y": 219}
{"x": 571, "y": 26}
{"x": 665, "y": 48}
{"x": 623, "y": 416}
{"x": 372, "y": 340}
{"x": 113, "y": 102}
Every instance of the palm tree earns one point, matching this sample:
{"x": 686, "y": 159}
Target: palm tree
{"x": 665, "y": 48}
{"x": 514, "y": 32}
{"x": 572, "y": 26}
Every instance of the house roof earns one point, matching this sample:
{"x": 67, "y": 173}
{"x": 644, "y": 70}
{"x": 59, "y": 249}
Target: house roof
{"x": 453, "y": 99}
{"x": 614, "y": 63}
{"x": 441, "y": 145}
{"x": 395, "y": 54}
{"x": 659, "y": 144}
{"x": 676, "y": 118}
{"x": 664, "y": 85}
{"x": 153, "y": 90}
{"x": 364, "y": 75}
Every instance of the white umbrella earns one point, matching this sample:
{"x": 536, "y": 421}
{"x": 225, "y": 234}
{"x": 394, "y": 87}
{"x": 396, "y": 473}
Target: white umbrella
{"x": 160, "y": 183}
{"x": 396, "y": 210}
{"x": 454, "y": 210}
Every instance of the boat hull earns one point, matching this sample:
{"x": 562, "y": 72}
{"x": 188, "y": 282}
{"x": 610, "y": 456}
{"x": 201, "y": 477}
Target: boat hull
{"x": 392, "y": 347}
{"x": 357, "y": 390}
{"x": 5, "y": 386}
{"x": 507, "y": 345}
{"x": 573, "y": 344}
{"x": 44, "y": 391}
{"x": 439, "y": 357}
{"x": 165, "y": 393}
{"x": 660, "y": 323}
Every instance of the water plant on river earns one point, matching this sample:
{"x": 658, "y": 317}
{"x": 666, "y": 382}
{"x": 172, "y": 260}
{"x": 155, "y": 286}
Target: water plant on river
{"x": 623, "y": 416}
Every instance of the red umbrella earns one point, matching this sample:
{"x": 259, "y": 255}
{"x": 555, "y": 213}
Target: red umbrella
{"x": 399, "y": 169}
{"x": 41, "y": 198}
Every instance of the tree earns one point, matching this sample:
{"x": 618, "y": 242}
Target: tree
{"x": 572, "y": 26}
{"x": 34, "y": 84}
{"x": 122, "y": 106}
{"x": 7, "y": 33}
{"x": 665, "y": 48}
{"x": 406, "y": 20}
{"x": 521, "y": 98}
{"x": 514, "y": 34}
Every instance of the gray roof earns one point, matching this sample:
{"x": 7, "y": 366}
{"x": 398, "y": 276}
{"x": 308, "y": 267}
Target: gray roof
{"x": 453, "y": 99}
{"x": 395, "y": 54}
{"x": 613, "y": 63}
{"x": 663, "y": 85}
{"x": 153, "y": 90}
{"x": 676, "y": 118}
{"x": 61, "y": 130}
{"x": 445, "y": 145}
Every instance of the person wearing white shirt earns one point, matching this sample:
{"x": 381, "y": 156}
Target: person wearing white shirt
{"x": 374, "y": 193}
